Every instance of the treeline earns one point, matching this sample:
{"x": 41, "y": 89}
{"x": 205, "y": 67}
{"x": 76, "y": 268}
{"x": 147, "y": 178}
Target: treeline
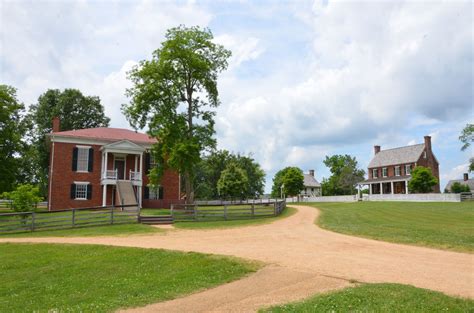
{"x": 24, "y": 152}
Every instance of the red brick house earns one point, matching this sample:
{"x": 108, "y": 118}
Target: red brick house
{"x": 389, "y": 171}
{"x": 104, "y": 166}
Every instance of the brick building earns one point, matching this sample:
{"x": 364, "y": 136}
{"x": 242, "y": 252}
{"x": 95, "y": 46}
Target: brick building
{"x": 104, "y": 166}
{"x": 389, "y": 171}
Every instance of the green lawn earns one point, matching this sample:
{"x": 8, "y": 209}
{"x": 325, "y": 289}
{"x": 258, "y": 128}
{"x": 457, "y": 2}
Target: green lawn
{"x": 379, "y": 298}
{"x": 107, "y": 230}
{"x": 439, "y": 225}
{"x": 93, "y": 278}
{"x": 235, "y": 223}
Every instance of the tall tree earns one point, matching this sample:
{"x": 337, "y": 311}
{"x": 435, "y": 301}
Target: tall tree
{"x": 422, "y": 180}
{"x": 467, "y": 138}
{"x": 291, "y": 179}
{"x": 209, "y": 170}
{"x": 174, "y": 94}
{"x": 12, "y": 129}
{"x": 345, "y": 175}
{"x": 75, "y": 110}
{"x": 233, "y": 182}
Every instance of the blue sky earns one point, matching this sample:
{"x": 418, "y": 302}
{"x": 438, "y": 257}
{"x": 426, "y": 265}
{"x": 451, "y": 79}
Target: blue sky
{"x": 307, "y": 78}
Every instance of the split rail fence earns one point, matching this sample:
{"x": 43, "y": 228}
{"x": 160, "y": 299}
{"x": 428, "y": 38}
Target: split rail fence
{"x": 63, "y": 219}
{"x": 195, "y": 212}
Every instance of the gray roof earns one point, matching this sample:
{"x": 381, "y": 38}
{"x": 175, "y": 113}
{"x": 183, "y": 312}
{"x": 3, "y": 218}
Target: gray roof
{"x": 469, "y": 182}
{"x": 310, "y": 181}
{"x": 408, "y": 154}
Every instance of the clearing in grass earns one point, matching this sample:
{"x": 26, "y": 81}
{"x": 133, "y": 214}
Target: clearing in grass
{"x": 379, "y": 298}
{"x": 439, "y": 225}
{"x": 94, "y": 278}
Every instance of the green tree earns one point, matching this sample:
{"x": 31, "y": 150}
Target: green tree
{"x": 233, "y": 182}
{"x": 292, "y": 180}
{"x": 457, "y": 187}
{"x": 422, "y": 180}
{"x": 174, "y": 94}
{"x": 345, "y": 175}
{"x": 24, "y": 198}
{"x": 12, "y": 129}
{"x": 75, "y": 111}
{"x": 467, "y": 138}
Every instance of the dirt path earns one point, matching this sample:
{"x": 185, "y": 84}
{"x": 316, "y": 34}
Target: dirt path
{"x": 305, "y": 259}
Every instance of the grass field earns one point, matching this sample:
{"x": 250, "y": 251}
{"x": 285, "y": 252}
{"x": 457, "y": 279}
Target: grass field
{"x": 379, "y": 298}
{"x": 88, "y": 278}
{"x": 108, "y": 230}
{"x": 439, "y": 225}
{"x": 288, "y": 211}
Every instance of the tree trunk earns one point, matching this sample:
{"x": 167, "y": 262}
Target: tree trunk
{"x": 188, "y": 188}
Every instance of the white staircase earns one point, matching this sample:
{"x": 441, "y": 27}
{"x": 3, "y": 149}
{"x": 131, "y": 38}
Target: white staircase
{"x": 126, "y": 195}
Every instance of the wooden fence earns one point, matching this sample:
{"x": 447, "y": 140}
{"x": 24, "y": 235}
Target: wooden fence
{"x": 467, "y": 196}
{"x": 73, "y": 218}
{"x": 193, "y": 212}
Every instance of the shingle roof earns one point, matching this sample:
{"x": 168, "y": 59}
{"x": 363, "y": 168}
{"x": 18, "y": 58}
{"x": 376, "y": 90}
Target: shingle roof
{"x": 310, "y": 181}
{"x": 469, "y": 182}
{"x": 107, "y": 134}
{"x": 408, "y": 154}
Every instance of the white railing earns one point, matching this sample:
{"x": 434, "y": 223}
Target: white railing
{"x": 109, "y": 174}
{"x": 135, "y": 175}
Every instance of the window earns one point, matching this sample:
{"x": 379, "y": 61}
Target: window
{"x": 375, "y": 173}
{"x": 82, "y": 159}
{"x": 155, "y": 193}
{"x": 407, "y": 169}
{"x": 384, "y": 172}
{"x": 397, "y": 171}
{"x": 81, "y": 191}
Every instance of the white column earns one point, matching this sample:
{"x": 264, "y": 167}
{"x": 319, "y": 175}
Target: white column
{"x": 139, "y": 196}
{"x": 106, "y": 163}
{"x": 406, "y": 186}
{"x": 391, "y": 185}
{"x": 136, "y": 163}
{"x": 141, "y": 163}
{"x": 381, "y": 190}
{"x": 104, "y": 195}
{"x": 370, "y": 189}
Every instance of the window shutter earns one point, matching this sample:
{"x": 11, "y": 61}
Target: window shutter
{"x": 73, "y": 191}
{"x": 90, "y": 166}
{"x": 146, "y": 193}
{"x": 89, "y": 192}
{"x": 147, "y": 162}
{"x": 74, "y": 159}
{"x": 160, "y": 193}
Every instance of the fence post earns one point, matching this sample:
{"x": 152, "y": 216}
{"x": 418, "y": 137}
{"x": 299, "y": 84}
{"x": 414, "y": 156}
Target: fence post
{"x": 253, "y": 210}
{"x": 73, "y": 217}
{"x": 275, "y": 208}
{"x": 171, "y": 209}
{"x": 33, "y": 221}
{"x": 195, "y": 208}
{"x": 112, "y": 215}
{"x": 225, "y": 212}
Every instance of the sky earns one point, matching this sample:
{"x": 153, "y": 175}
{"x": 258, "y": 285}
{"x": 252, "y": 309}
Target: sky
{"x": 307, "y": 79}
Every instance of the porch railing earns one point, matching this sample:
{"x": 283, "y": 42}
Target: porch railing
{"x": 135, "y": 175}
{"x": 109, "y": 174}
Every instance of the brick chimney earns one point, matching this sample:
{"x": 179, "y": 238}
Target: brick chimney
{"x": 466, "y": 176}
{"x": 311, "y": 172}
{"x": 56, "y": 124}
{"x": 376, "y": 149}
{"x": 428, "y": 144}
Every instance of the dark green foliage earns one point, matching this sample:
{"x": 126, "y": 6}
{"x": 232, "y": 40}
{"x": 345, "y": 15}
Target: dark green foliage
{"x": 442, "y": 225}
{"x": 24, "y": 198}
{"x": 75, "y": 111}
{"x": 12, "y": 129}
{"x": 173, "y": 94}
{"x": 233, "y": 182}
{"x": 379, "y": 298}
{"x": 292, "y": 180}
{"x": 422, "y": 180}
{"x": 345, "y": 175}
{"x": 94, "y": 278}
{"x": 457, "y": 187}
{"x": 209, "y": 170}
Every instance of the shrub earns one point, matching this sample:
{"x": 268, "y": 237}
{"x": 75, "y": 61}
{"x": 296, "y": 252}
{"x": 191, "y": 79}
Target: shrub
{"x": 24, "y": 198}
{"x": 457, "y": 187}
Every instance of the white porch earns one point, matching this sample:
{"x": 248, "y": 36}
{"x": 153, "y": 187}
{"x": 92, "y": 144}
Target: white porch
{"x": 122, "y": 161}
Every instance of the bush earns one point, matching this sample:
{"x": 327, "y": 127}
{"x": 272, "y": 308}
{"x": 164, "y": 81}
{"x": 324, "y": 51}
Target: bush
{"x": 457, "y": 187}
{"x": 24, "y": 198}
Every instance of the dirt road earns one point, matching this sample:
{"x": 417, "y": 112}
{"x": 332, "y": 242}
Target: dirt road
{"x": 304, "y": 260}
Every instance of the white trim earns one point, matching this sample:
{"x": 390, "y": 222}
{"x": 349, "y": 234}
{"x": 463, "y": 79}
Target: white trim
{"x": 81, "y": 183}
{"x": 399, "y": 170}
{"x": 384, "y": 172}
{"x": 67, "y": 139}
{"x": 51, "y": 177}
{"x": 86, "y": 184}
{"x": 83, "y": 147}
